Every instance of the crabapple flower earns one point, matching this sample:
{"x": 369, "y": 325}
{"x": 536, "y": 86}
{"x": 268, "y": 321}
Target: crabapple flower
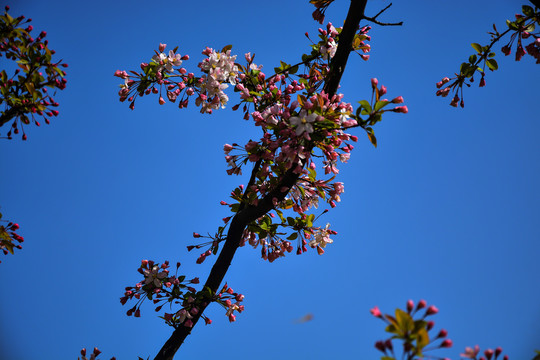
{"x": 153, "y": 276}
{"x": 167, "y": 62}
{"x": 470, "y": 353}
{"x": 303, "y": 122}
{"x": 321, "y": 238}
{"x": 329, "y": 49}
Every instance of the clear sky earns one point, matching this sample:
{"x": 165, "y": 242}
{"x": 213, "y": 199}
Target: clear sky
{"x": 445, "y": 209}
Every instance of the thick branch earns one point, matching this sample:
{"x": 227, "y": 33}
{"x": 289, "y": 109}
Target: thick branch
{"x": 8, "y": 115}
{"x": 251, "y": 212}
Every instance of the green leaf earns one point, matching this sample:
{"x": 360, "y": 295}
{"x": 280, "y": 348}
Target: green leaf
{"x": 228, "y": 47}
{"x": 365, "y": 105}
{"x": 380, "y": 104}
{"x": 492, "y": 64}
{"x": 312, "y": 174}
{"x": 422, "y": 340}
{"x": 512, "y": 25}
{"x": 371, "y": 136}
{"x": 293, "y": 236}
{"x": 472, "y": 59}
{"x": 477, "y": 47}
{"x": 310, "y": 218}
{"x": 527, "y": 10}
{"x": 404, "y": 321}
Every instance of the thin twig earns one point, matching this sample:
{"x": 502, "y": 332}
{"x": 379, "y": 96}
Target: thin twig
{"x": 375, "y": 21}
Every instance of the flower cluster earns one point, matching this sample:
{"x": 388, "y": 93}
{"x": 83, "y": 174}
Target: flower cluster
{"x": 166, "y": 62}
{"x": 93, "y": 355}
{"x": 490, "y": 354}
{"x": 303, "y": 129}
{"x": 520, "y": 29}
{"x": 225, "y": 298}
{"x": 220, "y": 69}
{"x": 8, "y": 237}
{"x": 25, "y": 93}
{"x": 162, "y": 288}
{"x": 292, "y": 130}
{"x": 321, "y": 6}
{"x": 414, "y": 333}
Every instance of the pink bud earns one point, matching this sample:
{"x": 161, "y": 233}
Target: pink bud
{"x": 410, "y": 306}
{"x": 432, "y": 310}
{"x": 161, "y": 101}
{"x": 489, "y": 354}
{"x": 195, "y": 235}
{"x": 398, "y": 100}
{"x": 443, "y": 333}
{"x": 227, "y": 148}
{"x": 162, "y": 47}
{"x": 401, "y": 109}
{"x": 374, "y": 82}
{"x": 383, "y": 90}
{"x": 498, "y": 351}
{"x": 446, "y": 343}
{"x": 482, "y": 82}
{"x": 232, "y": 318}
{"x": 207, "y": 321}
{"x": 376, "y": 312}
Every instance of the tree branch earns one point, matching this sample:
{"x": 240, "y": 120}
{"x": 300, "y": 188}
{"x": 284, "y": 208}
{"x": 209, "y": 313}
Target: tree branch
{"x": 375, "y": 21}
{"x": 251, "y": 212}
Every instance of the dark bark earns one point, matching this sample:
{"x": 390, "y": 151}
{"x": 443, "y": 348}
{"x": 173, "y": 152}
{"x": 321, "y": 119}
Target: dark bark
{"x": 250, "y": 213}
{"x": 8, "y": 115}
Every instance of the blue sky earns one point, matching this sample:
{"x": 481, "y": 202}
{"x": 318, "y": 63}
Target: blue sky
{"x": 445, "y": 209}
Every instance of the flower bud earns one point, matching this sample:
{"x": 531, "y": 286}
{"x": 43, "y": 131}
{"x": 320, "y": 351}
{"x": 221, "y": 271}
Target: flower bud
{"x": 443, "y": 333}
{"x": 410, "y": 306}
{"x": 446, "y": 343}
{"x": 162, "y": 47}
{"x": 432, "y": 310}
{"x": 398, "y": 100}
{"x": 379, "y": 345}
{"x": 376, "y": 312}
